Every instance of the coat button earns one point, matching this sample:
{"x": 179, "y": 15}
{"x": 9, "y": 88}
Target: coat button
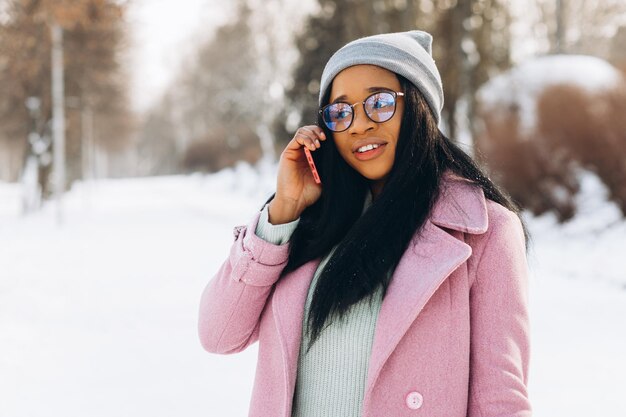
{"x": 414, "y": 400}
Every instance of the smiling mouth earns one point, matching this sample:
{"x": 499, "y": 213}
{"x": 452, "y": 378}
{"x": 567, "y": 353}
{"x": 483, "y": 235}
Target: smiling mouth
{"x": 371, "y": 153}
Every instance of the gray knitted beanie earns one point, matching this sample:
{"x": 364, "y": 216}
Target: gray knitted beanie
{"x": 406, "y": 53}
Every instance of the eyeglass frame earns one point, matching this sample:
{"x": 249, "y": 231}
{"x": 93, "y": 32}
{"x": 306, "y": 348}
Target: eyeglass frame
{"x": 395, "y": 94}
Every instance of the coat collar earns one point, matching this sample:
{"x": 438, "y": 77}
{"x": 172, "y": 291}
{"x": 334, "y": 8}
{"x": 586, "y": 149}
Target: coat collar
{"x": 432, "y": 257}
{"x": 461, "y": 206}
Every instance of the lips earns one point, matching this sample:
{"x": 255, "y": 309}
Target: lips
{"x": 371, "y": 154}
{"x": 364, "y": 142}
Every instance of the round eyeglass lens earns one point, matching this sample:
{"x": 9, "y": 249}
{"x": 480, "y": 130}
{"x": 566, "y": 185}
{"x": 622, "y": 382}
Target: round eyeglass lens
{"x": 380, "y": 106}
{"x": 338, "y": 116}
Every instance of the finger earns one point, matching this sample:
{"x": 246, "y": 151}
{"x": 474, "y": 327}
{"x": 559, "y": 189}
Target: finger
{"x": 305, "y": 134}
{"x": 306, "y": 140}
{"x": 317, "y": 131}
{"x": 314, "y": 134}
{"x": 299, "y": 139}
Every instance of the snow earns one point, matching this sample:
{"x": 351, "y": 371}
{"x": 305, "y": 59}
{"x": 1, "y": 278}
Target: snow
{"x": 98, "y": 315}
{"x": 522, "y": 84}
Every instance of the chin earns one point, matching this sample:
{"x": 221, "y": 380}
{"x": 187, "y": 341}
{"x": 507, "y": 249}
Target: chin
{"x": 372, "y": 173}
{"x": 374, "y": 176}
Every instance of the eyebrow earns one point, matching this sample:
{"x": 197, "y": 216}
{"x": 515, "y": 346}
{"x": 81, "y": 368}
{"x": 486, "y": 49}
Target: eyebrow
{"x": 371, "y": 90}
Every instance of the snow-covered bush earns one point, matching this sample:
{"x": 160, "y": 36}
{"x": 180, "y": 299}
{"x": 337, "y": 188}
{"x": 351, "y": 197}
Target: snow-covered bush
{"x": 548, "y": 116}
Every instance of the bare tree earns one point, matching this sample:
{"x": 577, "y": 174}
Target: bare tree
{"x": 94, "y": 33}
{"x": 580, "y": 26}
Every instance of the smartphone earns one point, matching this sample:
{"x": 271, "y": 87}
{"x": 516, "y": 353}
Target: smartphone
{"x": 309, "y": 158}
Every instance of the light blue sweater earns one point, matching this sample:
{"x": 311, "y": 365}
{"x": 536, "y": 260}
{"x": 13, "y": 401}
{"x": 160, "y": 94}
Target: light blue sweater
{"x": 331, "y": 377}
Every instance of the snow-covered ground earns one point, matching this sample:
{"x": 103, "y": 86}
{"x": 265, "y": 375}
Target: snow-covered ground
{"x": 98, "y": 315}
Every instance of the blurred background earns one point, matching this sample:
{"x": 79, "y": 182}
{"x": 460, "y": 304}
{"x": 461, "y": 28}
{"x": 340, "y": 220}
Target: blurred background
{"x": 134, "y": 135}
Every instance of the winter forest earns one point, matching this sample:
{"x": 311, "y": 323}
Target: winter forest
{"x": 135, "y": 134}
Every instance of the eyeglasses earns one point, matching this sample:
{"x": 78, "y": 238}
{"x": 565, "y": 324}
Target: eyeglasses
{"x": 379, "y": 107}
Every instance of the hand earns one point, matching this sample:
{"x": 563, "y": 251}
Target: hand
{"x": 296, "y": 188}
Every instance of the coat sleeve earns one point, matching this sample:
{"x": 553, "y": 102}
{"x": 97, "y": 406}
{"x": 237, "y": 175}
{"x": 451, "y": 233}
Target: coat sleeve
{"x": 233, "y": 300}
{"x": 500, "y": 340}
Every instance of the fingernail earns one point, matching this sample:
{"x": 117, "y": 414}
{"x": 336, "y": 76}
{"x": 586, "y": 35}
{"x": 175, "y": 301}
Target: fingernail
{"x": 317, "y": 142}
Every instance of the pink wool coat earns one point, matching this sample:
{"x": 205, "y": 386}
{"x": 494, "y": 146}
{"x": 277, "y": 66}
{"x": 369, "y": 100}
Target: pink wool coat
{"x": 452, "y": 335}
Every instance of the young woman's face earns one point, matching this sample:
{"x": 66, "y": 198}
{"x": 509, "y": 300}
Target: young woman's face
{"x": 354, "y": 84}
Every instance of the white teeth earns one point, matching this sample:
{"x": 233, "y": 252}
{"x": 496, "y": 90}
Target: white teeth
{"x": 367, "y": 148}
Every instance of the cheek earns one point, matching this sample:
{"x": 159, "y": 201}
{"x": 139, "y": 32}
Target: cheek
{"x": 396, "y": 130}
{"x": 343, "y": 149}
{"x": 346, "y": 155}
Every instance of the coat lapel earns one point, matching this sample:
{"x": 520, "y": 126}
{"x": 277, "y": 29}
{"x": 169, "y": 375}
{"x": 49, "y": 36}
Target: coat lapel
{"x": 434, "y": 255}
{"x": 430, "y": 259}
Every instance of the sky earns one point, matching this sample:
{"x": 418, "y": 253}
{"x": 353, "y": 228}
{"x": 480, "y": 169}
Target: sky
{"x": 163, "y": 33}
{"x": 158, "y": 50}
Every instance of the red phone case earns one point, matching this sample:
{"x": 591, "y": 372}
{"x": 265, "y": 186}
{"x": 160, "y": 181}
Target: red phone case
{"x": 309, "y": 158}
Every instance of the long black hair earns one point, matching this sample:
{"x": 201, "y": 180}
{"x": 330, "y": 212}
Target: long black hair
{"x": 370, "y": 244}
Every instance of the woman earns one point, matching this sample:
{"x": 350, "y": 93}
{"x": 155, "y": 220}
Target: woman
{"x": 397, "y": 286}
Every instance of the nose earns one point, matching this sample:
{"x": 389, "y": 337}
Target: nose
{"x": 360, "y": 123}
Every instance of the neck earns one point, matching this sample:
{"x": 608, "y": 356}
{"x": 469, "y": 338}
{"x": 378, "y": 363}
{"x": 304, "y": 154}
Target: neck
{"x": 376, "y": 187}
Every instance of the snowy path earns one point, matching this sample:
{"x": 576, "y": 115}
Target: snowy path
{"x": 98, "y": 317}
